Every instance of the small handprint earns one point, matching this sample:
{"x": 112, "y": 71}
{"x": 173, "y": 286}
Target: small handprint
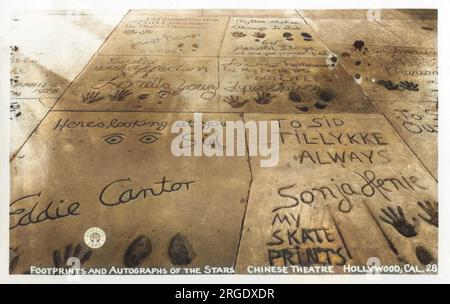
{"x": 91, "y": 97}
{"x": 408, "y": 85}
{"x": 14, "y": 80}
{"x": 263, "y": 98}
{"x": 120, "y": 95}
{"x": 403, "y": 85}
{"x": 259, "y": 35}
{"x": 70, "y": 253}
{"x": 235, "y": 102}
{"x": 398, "y": 221}
{"x": 388, "y": 84}
{"x": 432, "y": 210}
{"x": 13, "y": 259}
{"x": 238, "y": 34}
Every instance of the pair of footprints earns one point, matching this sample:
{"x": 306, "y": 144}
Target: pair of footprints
{"x": 305, "y": 36}
{"x": 181, "y": 46}
{"x": 180, "y": 251}
{"x": 398, "y": 220}
{"x": 257, "y": 35}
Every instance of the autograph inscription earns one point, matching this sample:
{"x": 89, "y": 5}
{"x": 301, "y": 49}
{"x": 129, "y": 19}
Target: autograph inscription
{"x": 113, "y": 193}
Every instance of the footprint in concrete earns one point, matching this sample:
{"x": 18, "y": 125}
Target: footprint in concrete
{"x": 194, "y": 47}
{"x": 138, "y": 251}
{"x": 358, "y": 45}
{"x": 297, "y": 99}
{"x": 180, "y": 250}
{"x": 288, "y": 36}
{"x": 306, "y": 36}
{"x": 424, "y": 256}
{"x": 325, "y": 96}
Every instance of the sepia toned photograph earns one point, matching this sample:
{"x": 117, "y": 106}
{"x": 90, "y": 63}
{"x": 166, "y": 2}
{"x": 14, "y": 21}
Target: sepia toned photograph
{"x": 223, "y": 142}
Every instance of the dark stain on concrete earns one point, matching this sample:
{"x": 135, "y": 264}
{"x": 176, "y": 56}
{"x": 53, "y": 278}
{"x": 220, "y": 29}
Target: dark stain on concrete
{"x": 180, "y": 250}
{"x": 424, "y": 256}
{"x": 358, "y": 45}
{"x": 138, "y": 251}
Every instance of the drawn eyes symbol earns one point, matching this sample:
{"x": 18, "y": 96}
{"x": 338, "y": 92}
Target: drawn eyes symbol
{"x": 114, "y": 139}
{"x": 148, "y": 138}
{"x": 145, "y": 138}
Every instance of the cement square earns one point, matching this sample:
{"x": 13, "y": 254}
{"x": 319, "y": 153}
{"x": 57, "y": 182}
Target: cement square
{"x": 417, "y": 124}
{"x": 116, "y": 171}
{"x": 339, "y": 31}
{"x": 324, "y": 183}
{"x": 271, "y": 37}
{"x": 142, "y": 83}
{"x": 166, "y": 36}
{"x": 30, "y": 79}
{"x": 288, "y": 85}
{"x": 25, "y": 115}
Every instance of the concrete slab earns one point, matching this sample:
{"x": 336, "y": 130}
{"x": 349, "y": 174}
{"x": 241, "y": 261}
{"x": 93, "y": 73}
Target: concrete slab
{"x": 340, "y": 31}
{"x": 44, "y": 58}
{"x": 417, "y": 124}
{"x": 101, "y": 170}
{"x": 167, "y": 36}
{"x": 286, "y": 85}
{"x": 25, "y": 115}
{"x": 271, "y": 37}
{"x": 392, "y": 73}
{"x": 356, "y": 99}
{"x": 31, "y": 79}
{"x": 348, "y": 192}
{"x": 142, "y": 83}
